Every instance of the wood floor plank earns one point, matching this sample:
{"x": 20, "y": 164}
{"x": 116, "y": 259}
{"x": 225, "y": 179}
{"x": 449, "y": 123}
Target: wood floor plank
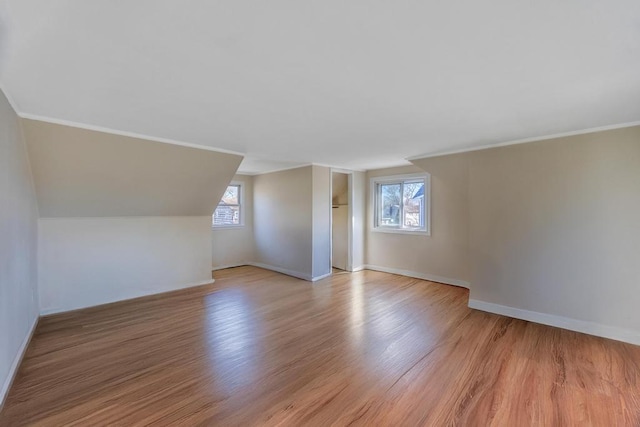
{"x": 366, "y": 348}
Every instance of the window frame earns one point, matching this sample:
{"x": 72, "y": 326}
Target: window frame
{"x": 240, "y": 205}
{"x": 400, "y": 179}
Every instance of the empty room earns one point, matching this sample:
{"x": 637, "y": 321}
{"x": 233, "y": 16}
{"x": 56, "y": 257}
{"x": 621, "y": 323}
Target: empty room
{"x": 278, "y": 213}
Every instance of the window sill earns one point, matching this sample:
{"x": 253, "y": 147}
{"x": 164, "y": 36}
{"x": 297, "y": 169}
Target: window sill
{"x": 401, "y": 231}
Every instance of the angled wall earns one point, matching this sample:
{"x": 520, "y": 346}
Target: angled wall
{"x": 85, "y": 173}
{"x": 121, "y": 217}
{"x": 18, "y": 246}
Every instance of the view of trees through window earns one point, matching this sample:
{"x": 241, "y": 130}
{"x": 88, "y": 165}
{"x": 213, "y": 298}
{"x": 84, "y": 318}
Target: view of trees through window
{"x": 401, "y": 204}
{"x": 228, "y": 210}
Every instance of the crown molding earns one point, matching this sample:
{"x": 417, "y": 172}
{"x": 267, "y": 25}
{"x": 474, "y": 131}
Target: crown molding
{"x": 525, "y": 140}
{"x": 123, "y": 133}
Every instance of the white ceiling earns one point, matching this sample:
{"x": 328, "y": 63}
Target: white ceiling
{"x": 354, "y": 84}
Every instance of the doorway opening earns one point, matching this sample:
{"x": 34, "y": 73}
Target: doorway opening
{"x": 340, "y": 213}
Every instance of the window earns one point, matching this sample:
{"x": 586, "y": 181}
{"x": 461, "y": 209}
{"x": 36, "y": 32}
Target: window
{"x": 229, "y": 210}
{"x": 401, "y": 203}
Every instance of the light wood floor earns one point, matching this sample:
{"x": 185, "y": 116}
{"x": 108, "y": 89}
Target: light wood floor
{"x": 368, "y": 348}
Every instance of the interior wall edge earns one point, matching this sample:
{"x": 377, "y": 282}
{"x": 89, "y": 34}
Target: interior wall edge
{"x": 583, "y": 326}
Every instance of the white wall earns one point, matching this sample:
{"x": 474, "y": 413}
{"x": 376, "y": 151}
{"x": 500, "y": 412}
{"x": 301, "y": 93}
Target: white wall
{"x": 18, "y": 246}
{"x": 232, "y": 246}
{"x": 283, "y": 228}
{"x": 321, "y": 221}
{"x": 554, "y": 230}
{"x": 340, "y": 236}
{"x": 359, "y": 214}
{"x": 90, "y": 261}
{"x": 442, "y": 256}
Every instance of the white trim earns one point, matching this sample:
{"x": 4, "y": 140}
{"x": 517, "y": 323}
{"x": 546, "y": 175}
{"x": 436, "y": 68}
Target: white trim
{"x": 50, "y": 311}
{"x": 591, "y": 328}
{"x": 292, "y": 273}
{"x": 226, "y": 227}
{"x": 125, "y": 133}
{"x": 15, "y": 365}
{"x": 418, "y": 275}
{"x": 525, "y": 140}
{"x": 356, "y": 269}
{"x": 323, "y": 276}
{"x": 400, "y": 231}
{"x": 224, "y": 267}
{"x": 281, "y": 270}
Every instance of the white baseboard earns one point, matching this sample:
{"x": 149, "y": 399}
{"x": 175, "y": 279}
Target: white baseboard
{"x": 591, "y": 328}
{"x": 418, "y": 275}
{"x": 224, "y": 267}
{"x": 13, "y": 370}
{"x": 57, "y": 310}
{"x": 292, "y": 273}
{"x": 323, "y": 276}
{"x": 356, "y": 269}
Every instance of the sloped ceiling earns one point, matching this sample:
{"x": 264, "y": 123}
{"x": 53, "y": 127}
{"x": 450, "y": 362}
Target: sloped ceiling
{"x": 355, "y": 84}
{"x": 84, "y": 173}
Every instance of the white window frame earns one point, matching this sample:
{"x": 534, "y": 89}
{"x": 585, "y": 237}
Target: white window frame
{"x": 240, "y": 186}
{"x": 393, "y": 179}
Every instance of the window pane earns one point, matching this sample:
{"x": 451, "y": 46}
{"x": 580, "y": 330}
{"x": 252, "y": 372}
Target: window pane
{"x": 231, "y": 196}
{"x": 226, "y": 215}
{"x": 390, "y": 200}
{"x": 413, "y": 213}
{"x": 228, "y": 210}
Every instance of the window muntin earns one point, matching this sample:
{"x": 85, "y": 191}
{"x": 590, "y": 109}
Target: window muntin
{"x": 401, "y": 203}
{"x": 229, "y": 210}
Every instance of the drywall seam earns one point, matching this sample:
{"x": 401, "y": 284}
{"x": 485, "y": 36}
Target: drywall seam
{"x": 583, "y": 326}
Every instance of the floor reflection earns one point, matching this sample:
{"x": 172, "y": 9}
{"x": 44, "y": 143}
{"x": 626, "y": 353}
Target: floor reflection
{"x": 232, "y": 338}
{"x": 357, "y": 312}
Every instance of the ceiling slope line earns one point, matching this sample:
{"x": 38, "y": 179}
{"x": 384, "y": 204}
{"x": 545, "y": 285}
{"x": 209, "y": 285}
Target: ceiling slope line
{"x": 12, "y": 101}
{"x": 525, "y": 140}
{"x": 124, "y": 133}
